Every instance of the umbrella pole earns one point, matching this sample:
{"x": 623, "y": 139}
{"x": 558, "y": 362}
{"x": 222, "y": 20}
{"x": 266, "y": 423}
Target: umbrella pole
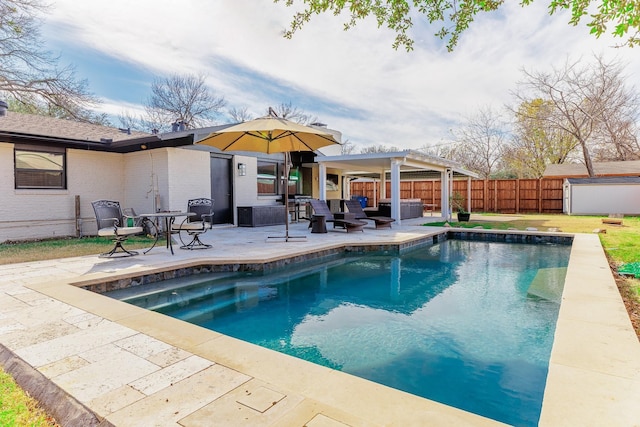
{"x": 287, "y": 159}
{"x": 286, "y": 196}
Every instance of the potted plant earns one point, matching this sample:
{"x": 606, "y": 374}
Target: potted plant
{"x": 457, "y": 205}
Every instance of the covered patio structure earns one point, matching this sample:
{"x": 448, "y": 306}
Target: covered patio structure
{"x": 397, "y": 164}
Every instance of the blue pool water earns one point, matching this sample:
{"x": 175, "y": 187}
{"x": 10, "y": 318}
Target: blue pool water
{"x": 465, "y": 323}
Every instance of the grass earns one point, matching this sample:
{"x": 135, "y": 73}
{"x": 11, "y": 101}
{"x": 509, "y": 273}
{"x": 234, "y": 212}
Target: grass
{"x": 621, "y": 243}
{"x": 17, "y": 408}
{"x": 15, "y": 252}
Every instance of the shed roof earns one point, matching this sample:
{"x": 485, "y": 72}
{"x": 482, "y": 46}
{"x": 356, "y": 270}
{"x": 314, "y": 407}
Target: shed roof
{"x": 620, "y": 168}
{"x": 607, "y": 180}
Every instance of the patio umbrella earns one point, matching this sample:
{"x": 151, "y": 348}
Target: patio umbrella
{"x": 271, "y": 134}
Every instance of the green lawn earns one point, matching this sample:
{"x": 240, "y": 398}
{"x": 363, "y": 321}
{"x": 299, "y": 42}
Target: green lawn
{"x": 17, "y": 409}
{"x": 14, "y": 252}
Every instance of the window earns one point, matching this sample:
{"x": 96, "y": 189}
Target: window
{"x": 267, "y": 173}
{"x": 40, "y": 168}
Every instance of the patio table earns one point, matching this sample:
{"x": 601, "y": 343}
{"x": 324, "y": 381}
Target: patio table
{"x": 169, "y": 219}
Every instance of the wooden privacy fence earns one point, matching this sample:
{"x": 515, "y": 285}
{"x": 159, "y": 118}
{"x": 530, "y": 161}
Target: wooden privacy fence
{"x": 493, "y": 195}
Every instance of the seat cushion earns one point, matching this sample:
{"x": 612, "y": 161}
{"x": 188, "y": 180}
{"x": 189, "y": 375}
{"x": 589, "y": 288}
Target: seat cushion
{"x": 122, "y": 231}
{"x": 191, "y": 226}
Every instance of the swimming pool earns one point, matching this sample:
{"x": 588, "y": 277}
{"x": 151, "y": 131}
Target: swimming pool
{"x": 469, "y": 324}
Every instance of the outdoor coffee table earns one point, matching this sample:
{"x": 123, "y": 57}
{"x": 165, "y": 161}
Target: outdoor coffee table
{"x": 169, "y": 219}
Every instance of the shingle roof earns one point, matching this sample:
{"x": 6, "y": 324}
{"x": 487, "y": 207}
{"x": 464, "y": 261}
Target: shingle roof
{"x": 623, "y": 168}
{"x": 31, "y": 124}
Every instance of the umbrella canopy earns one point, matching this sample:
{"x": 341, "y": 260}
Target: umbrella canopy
{"x": 269, "y": 135}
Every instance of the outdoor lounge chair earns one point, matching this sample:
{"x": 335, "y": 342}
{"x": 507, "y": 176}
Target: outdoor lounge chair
{"x": 197, "y": 224}
{"x": 320, "y": 208}
{"x": 355, "y": 208}
{"x": 112, "y": 223}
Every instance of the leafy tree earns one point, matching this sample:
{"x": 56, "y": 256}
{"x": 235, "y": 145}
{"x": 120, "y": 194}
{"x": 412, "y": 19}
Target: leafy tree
{"x": 184, "y": 99}
{"x": 29, "y": 75}
{"x": 455, "y": 16}
{"x": 536, "y": 143}
{"x": 588, "y": 101}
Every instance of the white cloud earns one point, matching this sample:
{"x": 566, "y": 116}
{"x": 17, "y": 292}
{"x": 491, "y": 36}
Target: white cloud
{"x": 377, "y": 95}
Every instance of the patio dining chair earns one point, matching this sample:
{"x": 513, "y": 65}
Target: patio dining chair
{"x": 114, "y": 224}
{"x": 197, "y": 224}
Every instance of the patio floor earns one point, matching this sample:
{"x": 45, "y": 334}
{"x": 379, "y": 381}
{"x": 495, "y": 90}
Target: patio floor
{"x": 96, "y": 361}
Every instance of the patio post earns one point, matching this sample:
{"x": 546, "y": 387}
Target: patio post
{"x": 469, "y": 194}
{"x": 395, "y": 191}
{"x": 322, "y": 181}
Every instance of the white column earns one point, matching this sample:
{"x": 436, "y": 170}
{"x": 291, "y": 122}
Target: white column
{"x": 444, "y": 194}
{"x": 375, "y": 198}
{"x": 322, "y": 181}
{"x": 395, "y": 191}
{"x": 383, "y": 185}
{"x": 346, "y": 187}
{"x": 469, "y": 194}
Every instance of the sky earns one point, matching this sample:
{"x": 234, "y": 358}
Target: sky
{"x": 353, "y": 81}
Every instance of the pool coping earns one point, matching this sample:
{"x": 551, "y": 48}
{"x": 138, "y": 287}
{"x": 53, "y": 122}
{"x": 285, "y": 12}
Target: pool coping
{"x": 592, "y": 325}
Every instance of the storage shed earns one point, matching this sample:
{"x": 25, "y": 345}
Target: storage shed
{"x": 602, "y": 196}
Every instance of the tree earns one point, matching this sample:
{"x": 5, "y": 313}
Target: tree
{"x": 536, "y": 143}
{"x": 289, "y": 112}
{"x": 445, "y": 150}
{"x": 589, "y": 102}
{"x": 455, "y": 16}
{"x": 348, "y": 147}
{"x": 380, "y": 148}
{"x": 480, "y": 142}
{"x": 183, "y": 99}
{"x": 29, "y": 76}
{"x": 238, "y": 115}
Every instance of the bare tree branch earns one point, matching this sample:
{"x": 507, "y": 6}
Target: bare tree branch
{"x": 590, "y": 102}
{"x": 183, "y": 99}
{"x": 30, "y": 77}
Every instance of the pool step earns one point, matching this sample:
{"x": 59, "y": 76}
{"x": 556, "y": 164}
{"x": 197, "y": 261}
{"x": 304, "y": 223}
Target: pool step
{"x": 160, "y": 300}
{"x": 548, "y": 284}
{"x": 205, "y": 309}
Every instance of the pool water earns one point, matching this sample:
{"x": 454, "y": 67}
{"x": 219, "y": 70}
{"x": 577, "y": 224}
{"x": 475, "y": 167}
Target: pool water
{"x": 465, "y": 323}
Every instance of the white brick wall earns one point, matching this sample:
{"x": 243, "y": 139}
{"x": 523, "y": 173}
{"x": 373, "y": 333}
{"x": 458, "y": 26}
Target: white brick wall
{"x": 190, "y": 177}
{"x": 29, "y": 214}
{"x": 134, "y": 179}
